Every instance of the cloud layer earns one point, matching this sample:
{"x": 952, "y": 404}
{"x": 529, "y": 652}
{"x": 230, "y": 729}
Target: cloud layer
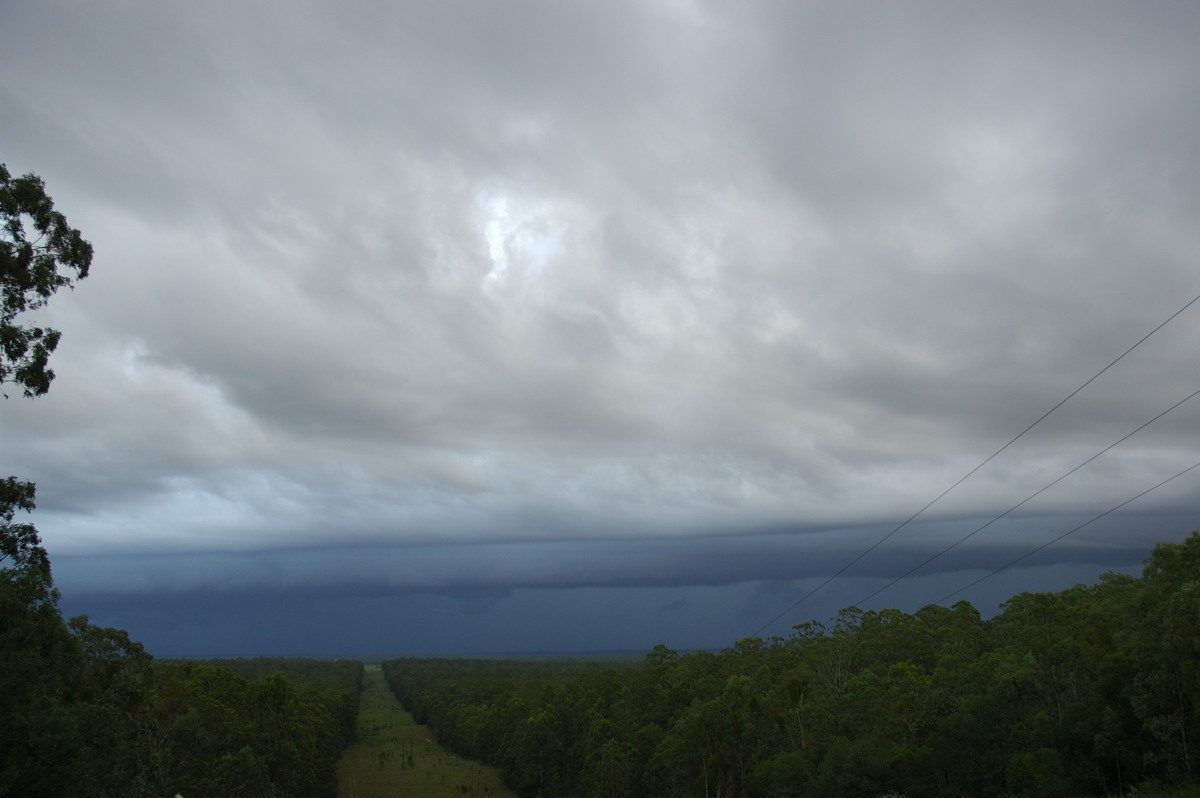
{"x": 605, "y": 295}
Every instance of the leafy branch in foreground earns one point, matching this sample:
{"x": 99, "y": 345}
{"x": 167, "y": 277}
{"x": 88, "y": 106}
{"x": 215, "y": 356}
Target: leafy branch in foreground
{"x": 39, "y": 254}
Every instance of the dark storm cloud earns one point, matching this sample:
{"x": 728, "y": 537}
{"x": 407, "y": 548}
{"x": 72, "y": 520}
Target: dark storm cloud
{"x": 387, "y": 602}
{"x": 493, "y": 568}
{"x": 442, "y": 296}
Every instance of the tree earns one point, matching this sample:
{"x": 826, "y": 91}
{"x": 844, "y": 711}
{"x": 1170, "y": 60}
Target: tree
{"x": 36, "y": 652}
{"x": 1165, "y": 693}
{"x": 31, "y": 271}
{"x": 24, "y": 564}
{"x": 44, "y": 730}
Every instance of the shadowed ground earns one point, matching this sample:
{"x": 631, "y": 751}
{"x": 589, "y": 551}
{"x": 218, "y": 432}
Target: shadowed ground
{"x": 395, "y": 757}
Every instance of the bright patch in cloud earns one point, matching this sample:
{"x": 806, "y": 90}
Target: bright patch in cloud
{"x": 523, "y": 233}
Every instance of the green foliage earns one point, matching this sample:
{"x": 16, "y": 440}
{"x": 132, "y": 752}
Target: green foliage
{"x": 1094, "y": 690}
{"x": 269, "y": 735}
{"x": 31, "y": 271}
{"x": 84, "y": 712}
{"x": 24, "y": 564}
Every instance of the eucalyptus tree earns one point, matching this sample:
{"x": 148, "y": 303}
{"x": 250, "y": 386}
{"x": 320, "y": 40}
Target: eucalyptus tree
{"x": 39, "y": 254}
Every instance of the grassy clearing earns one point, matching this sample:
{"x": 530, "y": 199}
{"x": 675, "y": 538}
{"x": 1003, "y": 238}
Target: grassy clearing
{"x": 395, "y": 757}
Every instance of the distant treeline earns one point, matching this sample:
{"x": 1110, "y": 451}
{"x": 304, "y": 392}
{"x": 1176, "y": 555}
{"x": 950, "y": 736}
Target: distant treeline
{"x": 1094, "y": 690}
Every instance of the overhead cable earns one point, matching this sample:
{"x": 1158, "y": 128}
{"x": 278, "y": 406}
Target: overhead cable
{"x": 1036, "y": 493}
{"x": 1069, "y": 532}
{"x": 966, "y": 476}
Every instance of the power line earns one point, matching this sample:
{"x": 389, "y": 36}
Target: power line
{"x": 1052, "y": 541}
{"x": 1036, "y": 493}
{"x": 966, "y": 476}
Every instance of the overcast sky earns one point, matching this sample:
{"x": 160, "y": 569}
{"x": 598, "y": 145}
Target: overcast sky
{"x": 443, "y": 327}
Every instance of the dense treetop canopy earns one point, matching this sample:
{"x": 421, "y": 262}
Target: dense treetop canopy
{"x": 1092, "y": 690}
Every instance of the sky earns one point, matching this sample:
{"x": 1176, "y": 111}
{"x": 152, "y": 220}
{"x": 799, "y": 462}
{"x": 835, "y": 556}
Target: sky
{"x": 446, "y": 327}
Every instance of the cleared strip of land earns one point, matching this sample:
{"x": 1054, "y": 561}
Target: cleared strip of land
{"x": 395, "y": 757}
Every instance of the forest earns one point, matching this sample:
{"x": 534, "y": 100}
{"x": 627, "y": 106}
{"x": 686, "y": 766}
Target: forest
{"x": 1089, "y": 691}
{"x": 85, "y": 710}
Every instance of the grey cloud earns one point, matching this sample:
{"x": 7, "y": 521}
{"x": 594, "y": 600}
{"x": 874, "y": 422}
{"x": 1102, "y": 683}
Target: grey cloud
{"x": 598, "y": 292}
{"x": 490, "y": 568}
